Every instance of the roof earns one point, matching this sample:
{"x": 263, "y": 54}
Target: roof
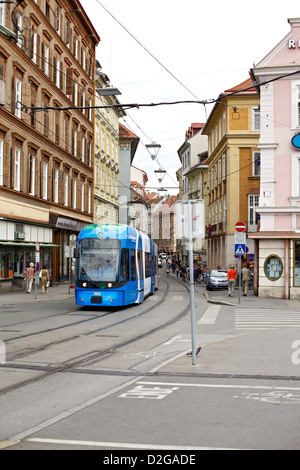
{"x": 244, "y": 88}
{"x": 125, "y": 133}
{"x": 247, "y": 85}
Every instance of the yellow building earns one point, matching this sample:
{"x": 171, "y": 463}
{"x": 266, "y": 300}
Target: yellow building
{"x": 106, "y": 168}
{"x": 233, "y": 130}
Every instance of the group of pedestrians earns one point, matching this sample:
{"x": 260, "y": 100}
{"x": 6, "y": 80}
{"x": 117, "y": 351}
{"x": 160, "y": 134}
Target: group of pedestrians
{"x": 200, "y": 274}
{"x": 184, "y": 272}
{"x": 44, "y": 277}
{"x": 232, "y": 278}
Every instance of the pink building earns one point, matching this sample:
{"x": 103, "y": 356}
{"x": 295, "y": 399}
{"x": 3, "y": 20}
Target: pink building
{"x": 277, "y": 243}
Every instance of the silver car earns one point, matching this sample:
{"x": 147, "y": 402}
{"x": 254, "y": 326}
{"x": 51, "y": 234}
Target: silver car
{"x": 217, "y": 279}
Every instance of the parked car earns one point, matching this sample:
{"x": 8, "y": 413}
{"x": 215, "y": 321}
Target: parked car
{"x": 163, "y": 255}
{"x": 217, "y": 279}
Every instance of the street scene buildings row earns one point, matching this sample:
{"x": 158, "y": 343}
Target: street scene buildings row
{"x": 67, "y": 161}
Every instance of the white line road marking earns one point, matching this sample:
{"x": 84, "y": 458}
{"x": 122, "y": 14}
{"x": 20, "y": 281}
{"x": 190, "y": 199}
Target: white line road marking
{"x": 247, "y": 387}
{"x": 210, "y": 316}
{"x": 120, "y": 445}
{"x": 177, "y": 297}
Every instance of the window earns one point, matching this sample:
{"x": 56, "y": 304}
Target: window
{"x": 56, "y": 182}
{"x": 256, "y": 164}
{"x": 74, "y": 194}
{"x": 124, "y": 268}
{"x": 19, "y": 28}
{"x": 295, "y": 105}
{"x": 140, "y": 264}
{"x": 1, "y": 160}
{"x": 18, "y": 98}
{"x": 297, "y": 264}
{"x": 17, "y": 169}
{"x": 66, "y": 184}
{"x": 31, "y": 175}
{"x": 57, "y": 67}
{"x": 82, "y": 196}
{"x": 147, "y": 265}
{"x": 253, "y": 203}
{"x": 45, "y": 180}
{"x": 133, "y": 266}
{"x": 90, "y": 199}
{"x": 2, "y": 14}
{"x": 256, "y": 118}
{"x": 46, "y": 59}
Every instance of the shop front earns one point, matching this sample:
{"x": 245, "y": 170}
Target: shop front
{"x": 277, "y": 274}
{"x": 17, "y": 250}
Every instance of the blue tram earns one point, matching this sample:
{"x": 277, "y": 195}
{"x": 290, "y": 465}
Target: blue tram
{"x": 117, "y": 265}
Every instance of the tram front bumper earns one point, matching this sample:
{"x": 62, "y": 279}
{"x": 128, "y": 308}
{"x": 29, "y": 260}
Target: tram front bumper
{"x": 109, "y": 298}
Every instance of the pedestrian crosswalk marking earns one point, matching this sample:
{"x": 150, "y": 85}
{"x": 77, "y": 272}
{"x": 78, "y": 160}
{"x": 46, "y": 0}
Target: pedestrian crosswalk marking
{"x": 210, "y": 316}
{"x": 248, "y": 319}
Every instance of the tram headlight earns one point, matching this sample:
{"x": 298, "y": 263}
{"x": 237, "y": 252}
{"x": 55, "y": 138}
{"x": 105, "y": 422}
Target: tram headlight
{"x": 84, "y": 284}
{"x": 109, "y": 285}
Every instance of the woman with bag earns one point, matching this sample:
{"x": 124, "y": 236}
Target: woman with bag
{"x": 45, "y": 279}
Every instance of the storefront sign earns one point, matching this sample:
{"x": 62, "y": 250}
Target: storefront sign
{"x": 294, "y": 44}
{"x": 20, "y": 236}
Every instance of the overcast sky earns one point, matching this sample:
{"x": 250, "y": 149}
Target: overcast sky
{"x": 208, "y": 46}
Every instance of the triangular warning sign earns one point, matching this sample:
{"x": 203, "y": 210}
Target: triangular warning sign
{"x": 240, "y": 251}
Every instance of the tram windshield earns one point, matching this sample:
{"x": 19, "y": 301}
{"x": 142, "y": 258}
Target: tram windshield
{"x": 99, "y": 260}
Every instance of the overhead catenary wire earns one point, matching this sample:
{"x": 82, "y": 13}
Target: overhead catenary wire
{"x": 147, "y": 50}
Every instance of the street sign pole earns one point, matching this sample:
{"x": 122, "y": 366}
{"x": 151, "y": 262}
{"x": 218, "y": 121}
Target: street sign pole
{"x": 240, "y": 249}
{"x": 240, "y": 278}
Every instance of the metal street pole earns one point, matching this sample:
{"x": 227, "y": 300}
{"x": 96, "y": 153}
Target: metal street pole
{"x": 240, "y": 278}
{"x": 192, "y": 292}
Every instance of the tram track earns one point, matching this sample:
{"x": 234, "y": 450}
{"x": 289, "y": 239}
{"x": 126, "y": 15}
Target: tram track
{"x": 76, "y": 362}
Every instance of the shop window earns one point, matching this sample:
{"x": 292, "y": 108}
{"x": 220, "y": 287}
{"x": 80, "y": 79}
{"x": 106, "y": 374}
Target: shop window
{"x": 297, "y": 264}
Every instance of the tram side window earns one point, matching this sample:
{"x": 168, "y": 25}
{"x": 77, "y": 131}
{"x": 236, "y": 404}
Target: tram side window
{"x": 140, "y": 264}
{"x": 133, "y": 266}
{"x": 147, "y": 264}
{"x": 124, "y": 269}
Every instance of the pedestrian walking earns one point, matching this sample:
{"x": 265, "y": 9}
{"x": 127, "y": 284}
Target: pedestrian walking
{"x": 232, "y": 275}
{"x": 245, "y": 279}
{"x": 45, "y": 279}
{"x": 29, "y": 275}
{"x": 183, "y": 273}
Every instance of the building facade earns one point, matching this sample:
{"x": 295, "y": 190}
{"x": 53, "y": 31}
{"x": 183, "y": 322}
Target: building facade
{"x": 106, "y": 174}
{"x": 128, "y": 146}
{"x": 233, "y": 130}
{"x": 278, "y": 240}
{"x": 194, "y": 145}
{"x": 47, "y": 68}
{"x": 198, "y": 189}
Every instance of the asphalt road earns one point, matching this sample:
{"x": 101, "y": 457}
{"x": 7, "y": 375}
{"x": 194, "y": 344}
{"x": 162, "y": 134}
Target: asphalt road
{"x": 243, "y": 393}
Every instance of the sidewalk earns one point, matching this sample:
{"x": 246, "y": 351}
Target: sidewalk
{"x": 21, "y": 296}
{"x": 272, "y": 354}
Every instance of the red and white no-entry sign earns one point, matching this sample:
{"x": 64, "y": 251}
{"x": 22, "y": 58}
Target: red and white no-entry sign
{"x": 240, "y": 227}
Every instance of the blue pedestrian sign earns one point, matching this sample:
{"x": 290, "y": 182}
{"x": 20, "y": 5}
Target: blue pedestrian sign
{"x": 240, "y": 250}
